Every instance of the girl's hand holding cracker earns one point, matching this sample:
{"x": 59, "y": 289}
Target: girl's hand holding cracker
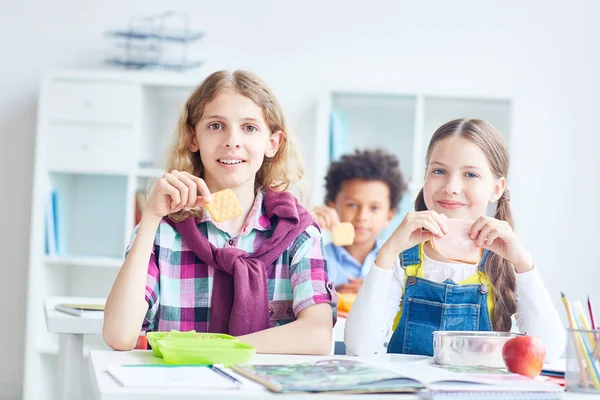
{"x": 176, "y": 191}
{"x": 416, "y": 227}
{"x": 498, "y": 237}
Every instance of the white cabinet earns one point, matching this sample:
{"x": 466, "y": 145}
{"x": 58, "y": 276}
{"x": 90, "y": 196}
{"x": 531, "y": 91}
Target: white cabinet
{"x": 97, "y": 101}
{"x": 89, "y": 148}
{"x": 101, "y": 137}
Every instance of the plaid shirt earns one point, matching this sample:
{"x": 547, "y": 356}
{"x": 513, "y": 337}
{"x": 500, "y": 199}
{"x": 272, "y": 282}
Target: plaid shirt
{"x": 179, "y": 288}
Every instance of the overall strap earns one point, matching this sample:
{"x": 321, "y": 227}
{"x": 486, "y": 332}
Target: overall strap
{"x": 486, "y": 253}
{"x": 410, "y": 256}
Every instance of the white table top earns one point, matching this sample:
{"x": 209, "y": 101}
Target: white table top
{"x": 106, "y": 388}
{"x": 60, "y": 322}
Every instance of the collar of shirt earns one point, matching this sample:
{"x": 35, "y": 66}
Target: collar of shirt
{"x": 440, "y": 271}
{"x": 345, "y": 258}
{"x": 256, "y": 218}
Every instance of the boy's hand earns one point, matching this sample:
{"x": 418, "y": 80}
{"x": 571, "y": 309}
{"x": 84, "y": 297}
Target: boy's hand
{"x": 326, "y": 217}
{"x": 353, "y": 286}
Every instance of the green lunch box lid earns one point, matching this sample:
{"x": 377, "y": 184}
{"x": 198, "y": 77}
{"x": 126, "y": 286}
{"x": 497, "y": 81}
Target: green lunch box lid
{"x": 205, "y": 352}
{"x": 175, "y": 335}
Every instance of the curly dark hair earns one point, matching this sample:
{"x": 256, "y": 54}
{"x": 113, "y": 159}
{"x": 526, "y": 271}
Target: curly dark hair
{"x": 370, "y": 165}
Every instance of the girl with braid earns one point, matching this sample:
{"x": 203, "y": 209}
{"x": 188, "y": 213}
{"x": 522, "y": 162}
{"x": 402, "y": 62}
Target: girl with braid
{"x": 414, "y": 290}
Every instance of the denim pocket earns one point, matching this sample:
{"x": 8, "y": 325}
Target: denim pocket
{"x": 424, "y": 317}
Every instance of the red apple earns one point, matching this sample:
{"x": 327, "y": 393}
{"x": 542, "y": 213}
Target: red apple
{"x": 524, "y": 355}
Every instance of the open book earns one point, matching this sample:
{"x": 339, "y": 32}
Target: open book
{"x": 353, "y": 376}
{"x": 346, "y": 376}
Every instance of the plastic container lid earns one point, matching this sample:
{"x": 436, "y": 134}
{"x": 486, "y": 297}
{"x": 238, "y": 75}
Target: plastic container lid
{"x": 200, "y": 337}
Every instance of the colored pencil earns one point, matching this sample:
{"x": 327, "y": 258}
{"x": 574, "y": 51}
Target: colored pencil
{"x": 582, "y": 373}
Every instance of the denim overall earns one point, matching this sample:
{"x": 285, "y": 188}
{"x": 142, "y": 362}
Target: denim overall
{"x": 429, "y": 306}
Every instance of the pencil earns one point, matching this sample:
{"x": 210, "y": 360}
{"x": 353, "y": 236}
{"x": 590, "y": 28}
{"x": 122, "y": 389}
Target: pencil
{"x": 582, "y": 374}
{"x": 594, "y": 327}
{"x": 591, "y": 310}
{"x": 587, "y": 348}
{"x": 583, "y": 323}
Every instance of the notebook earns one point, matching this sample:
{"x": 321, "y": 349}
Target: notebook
{"x": 556, "y": 368}
{"x": 173, "y": 376}
{"x": 464, "y": 382}
{"x": 82, "y": 310}
{"x": 353, "y": 376}
{"x": 490, "y": 395}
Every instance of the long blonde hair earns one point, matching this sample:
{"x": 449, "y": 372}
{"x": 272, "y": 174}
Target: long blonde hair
{"x": 276, "y": 173}
{"x": 499, "y": 270}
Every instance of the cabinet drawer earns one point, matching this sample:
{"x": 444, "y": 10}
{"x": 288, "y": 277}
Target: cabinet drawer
{"x": 110, "y": 103}
{"x": 89, "y": 149}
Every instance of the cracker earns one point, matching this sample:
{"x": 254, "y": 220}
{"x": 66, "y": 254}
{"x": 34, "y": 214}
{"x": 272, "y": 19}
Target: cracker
{"x": 224, "y": 205}
{"x": 343, "y": 234}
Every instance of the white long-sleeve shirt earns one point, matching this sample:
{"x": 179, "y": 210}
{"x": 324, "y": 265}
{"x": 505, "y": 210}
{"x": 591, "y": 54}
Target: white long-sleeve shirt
{"x": 370, "y": 320}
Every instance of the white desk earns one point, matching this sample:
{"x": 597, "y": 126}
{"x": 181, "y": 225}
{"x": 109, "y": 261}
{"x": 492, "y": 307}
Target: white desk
{"x": 106, "y": 388}
{"x": 71, "y": 330}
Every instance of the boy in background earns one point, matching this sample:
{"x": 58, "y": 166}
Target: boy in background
{"x": 363, "y": 188}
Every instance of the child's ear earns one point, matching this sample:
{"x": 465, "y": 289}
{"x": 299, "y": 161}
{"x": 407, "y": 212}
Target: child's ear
{"x": 194, "y": 147}
{"x": 274, "y": 142}
{"x": 391, "y": 214}
{"x": 331, "y": 204}
{"x": 499, "y": 188}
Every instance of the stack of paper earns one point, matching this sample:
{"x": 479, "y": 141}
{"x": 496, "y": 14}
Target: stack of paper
{"x": 173, "y": 376}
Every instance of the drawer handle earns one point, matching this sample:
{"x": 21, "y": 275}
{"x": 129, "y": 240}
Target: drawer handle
{"x": 87, "y": 104}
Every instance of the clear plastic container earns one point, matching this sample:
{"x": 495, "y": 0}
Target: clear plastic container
{"x": 583, "y": 361}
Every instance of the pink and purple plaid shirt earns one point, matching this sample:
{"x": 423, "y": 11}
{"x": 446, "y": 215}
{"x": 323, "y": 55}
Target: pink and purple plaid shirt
{"x": 179, "y": 288}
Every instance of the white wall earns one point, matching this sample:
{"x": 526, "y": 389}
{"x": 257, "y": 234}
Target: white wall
{"x": 545, "y": 55}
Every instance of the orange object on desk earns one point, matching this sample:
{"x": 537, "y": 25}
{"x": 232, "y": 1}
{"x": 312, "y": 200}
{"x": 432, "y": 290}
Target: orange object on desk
{"x": 142, "y": 343}
{"x": 345, "y": 301}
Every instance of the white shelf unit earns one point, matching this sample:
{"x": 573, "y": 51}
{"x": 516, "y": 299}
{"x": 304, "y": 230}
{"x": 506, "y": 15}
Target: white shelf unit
{"x": 401, "y": 122}
{"x": 101, "y": 136}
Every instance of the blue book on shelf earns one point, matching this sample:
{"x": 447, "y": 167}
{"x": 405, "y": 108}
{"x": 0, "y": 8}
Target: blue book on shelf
{"x": 55, "y": 215}
{"x": 338, "y": 135}
{"x": 50, "y": 214}
{"x": 55, "y": 242}
{"x": 59, "y": 225}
